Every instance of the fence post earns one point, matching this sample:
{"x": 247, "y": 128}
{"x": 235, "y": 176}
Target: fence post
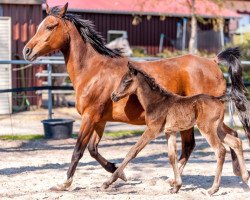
{"x": 49, "y": 68}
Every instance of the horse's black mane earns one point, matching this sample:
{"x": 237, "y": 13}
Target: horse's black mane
{"x": 151, "y": 81}
{"x": 87, "y": 30}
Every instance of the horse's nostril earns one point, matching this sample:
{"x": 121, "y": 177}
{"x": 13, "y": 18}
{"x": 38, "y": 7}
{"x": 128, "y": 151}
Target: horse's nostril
{"x": 28, "y": 51}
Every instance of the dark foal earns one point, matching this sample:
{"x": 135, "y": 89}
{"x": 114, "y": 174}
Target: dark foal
{"x": 172, "y": 113}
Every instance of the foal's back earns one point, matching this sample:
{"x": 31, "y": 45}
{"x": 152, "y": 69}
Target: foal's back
{"x": 184, "y": 112}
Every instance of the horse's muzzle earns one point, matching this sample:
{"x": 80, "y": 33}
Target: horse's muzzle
{"x": 28, "y": 54}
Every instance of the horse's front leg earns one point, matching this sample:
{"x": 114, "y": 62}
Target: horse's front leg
{"x": 93, "y": 149}
{"x": 86, "y": 130}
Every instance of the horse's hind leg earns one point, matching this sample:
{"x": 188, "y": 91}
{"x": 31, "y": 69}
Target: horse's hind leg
{"x": 236, "y": 145}
{"x": 188, "y": 144}
{"x": 146, "y": 137}
{"x": 235, "y": 162}
{"x": 220, "y": 152}
{"x": 93, "y": 149}
{"x": 172, "y": 154}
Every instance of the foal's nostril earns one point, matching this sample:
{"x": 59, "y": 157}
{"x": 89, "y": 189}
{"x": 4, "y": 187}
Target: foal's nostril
{"x": 113, "y": 97}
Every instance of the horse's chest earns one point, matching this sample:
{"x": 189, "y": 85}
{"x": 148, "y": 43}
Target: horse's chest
{"x": 89, "y": 96}
{"x": 179, "y": 119}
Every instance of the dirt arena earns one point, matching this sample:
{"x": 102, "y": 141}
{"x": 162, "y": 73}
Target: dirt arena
{"x": 29, "y": 168}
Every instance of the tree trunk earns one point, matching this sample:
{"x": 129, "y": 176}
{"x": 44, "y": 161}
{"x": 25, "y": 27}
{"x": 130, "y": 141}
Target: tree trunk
{"x": 193, "y": 38}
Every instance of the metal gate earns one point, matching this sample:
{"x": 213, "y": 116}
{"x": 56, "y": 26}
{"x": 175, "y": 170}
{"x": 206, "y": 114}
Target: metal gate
{"x": 5, "y": 69}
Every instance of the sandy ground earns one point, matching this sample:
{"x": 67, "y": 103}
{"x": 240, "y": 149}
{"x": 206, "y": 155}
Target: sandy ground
{"x": 29, "y": 168}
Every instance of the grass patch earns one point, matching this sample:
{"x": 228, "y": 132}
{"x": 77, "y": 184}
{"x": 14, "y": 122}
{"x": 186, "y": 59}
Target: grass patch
{"x": 21, "y": 137}
{"x": 115, "y": 134}
{"x": 119, "y": 134}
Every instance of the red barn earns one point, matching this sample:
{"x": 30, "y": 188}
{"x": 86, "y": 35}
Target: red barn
{"x": 152, "y": 18}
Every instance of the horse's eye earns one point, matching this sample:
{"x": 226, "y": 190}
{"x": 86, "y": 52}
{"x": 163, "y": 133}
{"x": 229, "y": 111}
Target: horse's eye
{"x": 51, "y": 27}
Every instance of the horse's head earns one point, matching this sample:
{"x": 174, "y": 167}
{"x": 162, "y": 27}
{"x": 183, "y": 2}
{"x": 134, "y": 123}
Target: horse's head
{"x": 50, "y": 36}
{"x": 127, "y": 85}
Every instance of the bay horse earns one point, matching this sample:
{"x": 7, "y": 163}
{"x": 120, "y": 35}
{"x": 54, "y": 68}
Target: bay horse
{"x": 95, "y": 71}
{"x": 171, "y": 113}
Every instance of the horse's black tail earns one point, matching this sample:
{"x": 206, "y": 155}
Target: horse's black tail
{"x": 231, "y": 58}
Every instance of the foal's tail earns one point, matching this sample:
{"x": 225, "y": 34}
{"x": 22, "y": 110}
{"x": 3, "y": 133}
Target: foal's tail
{"x": 231, "y": 58}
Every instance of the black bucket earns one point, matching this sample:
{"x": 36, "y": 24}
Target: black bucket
{"x": 58, "y": 128}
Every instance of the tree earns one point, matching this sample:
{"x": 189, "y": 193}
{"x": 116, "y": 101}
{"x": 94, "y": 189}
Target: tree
{"x": 192, "y": 47}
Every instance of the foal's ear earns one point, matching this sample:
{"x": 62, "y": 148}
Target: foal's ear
{"x": 63, "y": 10}
{"x": 47, "y": 9}
{"x": 132, "y": 71}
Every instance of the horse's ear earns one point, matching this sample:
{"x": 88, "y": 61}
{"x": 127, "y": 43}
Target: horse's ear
{"x": 63, "y": 10}
{"x": 47, "y": 9}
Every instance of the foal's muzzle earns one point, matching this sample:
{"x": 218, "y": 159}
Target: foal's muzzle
{"x": 114, "y": 98}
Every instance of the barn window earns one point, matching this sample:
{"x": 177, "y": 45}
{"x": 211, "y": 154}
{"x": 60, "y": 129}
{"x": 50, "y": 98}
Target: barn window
{"x": 1, "y": 11}
{"x": 113, "y": 34}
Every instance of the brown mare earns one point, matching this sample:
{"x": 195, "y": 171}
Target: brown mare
{"x": 171, "y": 113}
{"x": 95, "y": 72}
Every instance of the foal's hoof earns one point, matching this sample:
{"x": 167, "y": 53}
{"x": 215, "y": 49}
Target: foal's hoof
{"x": 122, "y": 176}
{"x": 174, "y": 190}
{"x": 62, "y": 187}
{"x": 171, "y": 182}
{"x": 105, "y": 186}
{"x": 212, "y": 191}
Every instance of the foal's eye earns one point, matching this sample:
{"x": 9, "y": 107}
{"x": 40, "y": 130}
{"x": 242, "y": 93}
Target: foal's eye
{"x": 127, "y": 82}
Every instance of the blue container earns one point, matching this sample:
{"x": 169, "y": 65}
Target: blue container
{"x": 58, "y": 128}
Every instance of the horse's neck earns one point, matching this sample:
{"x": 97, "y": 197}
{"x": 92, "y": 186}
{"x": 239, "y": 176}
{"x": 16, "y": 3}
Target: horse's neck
{"x": 78, "y": 56}
{"x": 146, "y": 94}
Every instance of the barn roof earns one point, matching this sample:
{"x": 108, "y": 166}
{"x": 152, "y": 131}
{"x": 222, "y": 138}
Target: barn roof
{"x": 204, "y": 8}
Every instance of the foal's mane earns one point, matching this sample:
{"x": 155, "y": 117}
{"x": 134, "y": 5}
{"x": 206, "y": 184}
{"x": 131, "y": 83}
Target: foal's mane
{"x": 88, "y": 33}
{"x": 151, "y": 81}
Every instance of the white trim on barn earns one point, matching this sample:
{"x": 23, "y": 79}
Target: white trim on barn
{"x": 5, "y": 69}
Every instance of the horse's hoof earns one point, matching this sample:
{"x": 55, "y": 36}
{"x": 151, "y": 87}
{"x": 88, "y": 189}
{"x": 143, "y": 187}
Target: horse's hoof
{"x": 58, "y": 188}
{"x": 212, "y": 191}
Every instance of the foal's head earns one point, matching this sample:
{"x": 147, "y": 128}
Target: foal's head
{"x": 127, "y": 85}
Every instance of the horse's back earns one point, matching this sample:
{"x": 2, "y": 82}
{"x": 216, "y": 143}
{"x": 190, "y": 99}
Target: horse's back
{"x": 187, "y": 75}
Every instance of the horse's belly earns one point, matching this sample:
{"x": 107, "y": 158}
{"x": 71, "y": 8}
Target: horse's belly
{"x": 181, "y": 122}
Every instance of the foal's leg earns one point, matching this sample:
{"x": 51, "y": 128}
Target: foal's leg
{"x": 86, "y": 130}
{"x": 235, "y": 162}
{"x": 236, "y": 145}
{"x": 172, "y": 155}
{"x": 220, "y": 152}
{"x": 188, "y": 144}
{"x": 93, "y": 150}
{"x": 146, "y": 137}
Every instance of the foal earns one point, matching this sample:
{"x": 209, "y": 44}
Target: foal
{"x": 171, "y": 113}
